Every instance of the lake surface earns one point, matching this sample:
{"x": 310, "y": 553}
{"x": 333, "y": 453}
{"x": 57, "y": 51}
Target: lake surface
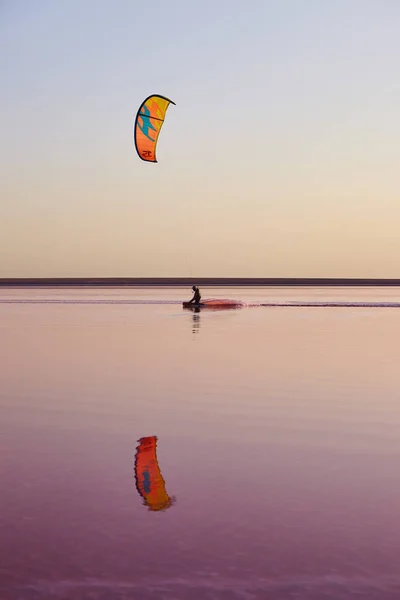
{"x": 278, "y": 438}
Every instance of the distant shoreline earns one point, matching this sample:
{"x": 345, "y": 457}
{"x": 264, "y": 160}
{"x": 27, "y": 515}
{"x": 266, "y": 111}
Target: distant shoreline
{"x": 189, "y": 281}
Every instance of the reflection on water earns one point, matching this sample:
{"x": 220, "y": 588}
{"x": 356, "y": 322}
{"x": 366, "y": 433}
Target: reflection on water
{"x": 149, "y": 482}
{"x": 196, "y": 320}
{"x": 278, "y": 430}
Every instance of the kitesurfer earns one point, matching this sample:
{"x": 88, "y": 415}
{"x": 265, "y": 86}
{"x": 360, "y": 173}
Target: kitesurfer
{"x": 196, "y": 296}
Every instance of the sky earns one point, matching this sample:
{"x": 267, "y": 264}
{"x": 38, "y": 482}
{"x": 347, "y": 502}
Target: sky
{"x": 280, "y": 158}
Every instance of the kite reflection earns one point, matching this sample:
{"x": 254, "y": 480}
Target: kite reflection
{"x": 149, "y": 482}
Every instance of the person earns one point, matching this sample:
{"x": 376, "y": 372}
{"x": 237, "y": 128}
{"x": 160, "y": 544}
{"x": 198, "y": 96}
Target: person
{"x": 196, "y": 296}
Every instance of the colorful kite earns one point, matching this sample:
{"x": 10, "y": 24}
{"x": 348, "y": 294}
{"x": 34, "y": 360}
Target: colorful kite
{"x": 149, "y": 481}
{"x": 148, "y": 123}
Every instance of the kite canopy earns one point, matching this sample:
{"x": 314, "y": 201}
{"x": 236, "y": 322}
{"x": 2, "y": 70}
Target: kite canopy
{"x": 149, "y": 482}
{"x": 148, "y": 123}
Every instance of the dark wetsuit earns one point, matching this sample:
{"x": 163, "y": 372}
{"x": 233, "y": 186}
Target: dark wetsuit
{"x": 197, "y": 297}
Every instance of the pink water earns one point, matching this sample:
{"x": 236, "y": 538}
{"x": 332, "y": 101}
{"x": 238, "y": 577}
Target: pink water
{"x": 278, "y": 433}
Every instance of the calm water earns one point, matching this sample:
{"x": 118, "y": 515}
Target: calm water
{"x": 278, "y": 434}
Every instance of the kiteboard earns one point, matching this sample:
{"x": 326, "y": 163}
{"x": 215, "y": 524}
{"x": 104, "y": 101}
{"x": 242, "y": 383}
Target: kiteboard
{"x": 213, "y": 304}
{"x": 193, "y": 305}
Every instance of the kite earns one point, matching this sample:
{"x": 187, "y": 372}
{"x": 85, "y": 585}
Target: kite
{"x": 148, "y": 123}
{"x": 149, "y": 481}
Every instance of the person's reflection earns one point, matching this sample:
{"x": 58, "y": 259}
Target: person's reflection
{"x": 150, "y": 483}
{"x": 196, "y": 320}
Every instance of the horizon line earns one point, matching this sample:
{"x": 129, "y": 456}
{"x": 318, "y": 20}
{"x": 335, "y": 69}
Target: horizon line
{"x": 206, "y": 281}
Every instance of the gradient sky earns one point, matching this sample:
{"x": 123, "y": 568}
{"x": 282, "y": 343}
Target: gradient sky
{"x": 279, "y": 159}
